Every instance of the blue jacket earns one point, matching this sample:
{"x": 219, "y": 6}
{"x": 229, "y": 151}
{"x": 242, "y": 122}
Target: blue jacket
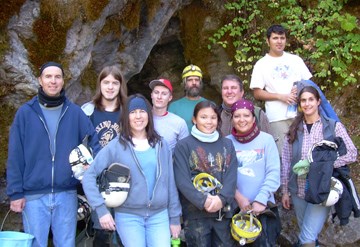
{"x": 165, "y": 194}
{"x": 31, "y": 167}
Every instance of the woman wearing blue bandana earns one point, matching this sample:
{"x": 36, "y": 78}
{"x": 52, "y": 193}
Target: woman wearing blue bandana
{"x": 151, "y": 212}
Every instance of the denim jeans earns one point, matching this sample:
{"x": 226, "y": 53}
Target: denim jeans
{"x": 55, "y": 210}
{"x": 137, "y": 231}
{"x": 311, "y": 219}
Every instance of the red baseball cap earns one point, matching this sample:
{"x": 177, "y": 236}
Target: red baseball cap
{"x": 161, "y": 82}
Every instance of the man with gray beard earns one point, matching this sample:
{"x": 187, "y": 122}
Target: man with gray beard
{"x": 184, "y": 107}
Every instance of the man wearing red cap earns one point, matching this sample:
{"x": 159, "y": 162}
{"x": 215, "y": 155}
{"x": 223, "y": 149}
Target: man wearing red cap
{"x": 170, "y": 126}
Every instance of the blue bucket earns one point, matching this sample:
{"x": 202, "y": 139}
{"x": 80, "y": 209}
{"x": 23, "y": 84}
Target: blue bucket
{"x": 15, "y": 239}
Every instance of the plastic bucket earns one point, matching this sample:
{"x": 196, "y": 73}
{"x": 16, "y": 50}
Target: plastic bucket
{"x": 15, "y": 239}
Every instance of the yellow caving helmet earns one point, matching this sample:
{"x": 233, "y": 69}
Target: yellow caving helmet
{"x": 245, "y": 228}
{"x": 206, "y": 183}
{"x": 192, "y": 70}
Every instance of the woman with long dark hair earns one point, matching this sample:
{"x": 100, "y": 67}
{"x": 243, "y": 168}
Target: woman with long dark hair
{"x": 309, "y": 127}
{"x": 151, "y": 212}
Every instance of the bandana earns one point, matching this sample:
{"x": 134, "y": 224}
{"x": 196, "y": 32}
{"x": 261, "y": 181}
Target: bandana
{"x": 243, "y": 104}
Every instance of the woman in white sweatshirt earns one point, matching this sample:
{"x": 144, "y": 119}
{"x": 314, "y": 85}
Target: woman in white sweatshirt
{"x": 258, "y": 172}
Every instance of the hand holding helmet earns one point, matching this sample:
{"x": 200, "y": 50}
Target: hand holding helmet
{"x": 209, "y": 185}
{"x": 215, "y": 204}
{"x": 257, "y": 208}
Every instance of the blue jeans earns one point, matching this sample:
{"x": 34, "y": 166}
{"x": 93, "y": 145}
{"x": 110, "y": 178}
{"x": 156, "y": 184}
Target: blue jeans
{"x": 55, "y": 210}
{"x": 137, "y": 231}
{"x": 311, "y": 219}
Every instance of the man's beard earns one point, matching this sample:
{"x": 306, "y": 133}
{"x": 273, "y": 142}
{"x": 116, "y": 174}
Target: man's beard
{"x": 193, "y": 91}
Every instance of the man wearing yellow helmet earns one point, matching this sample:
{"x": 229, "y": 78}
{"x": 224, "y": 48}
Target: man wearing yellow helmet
{"x": 184, "y": 107}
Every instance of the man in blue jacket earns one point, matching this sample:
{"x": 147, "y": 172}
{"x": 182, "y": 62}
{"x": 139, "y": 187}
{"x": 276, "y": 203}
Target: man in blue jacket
{"x": 40, "y": 182}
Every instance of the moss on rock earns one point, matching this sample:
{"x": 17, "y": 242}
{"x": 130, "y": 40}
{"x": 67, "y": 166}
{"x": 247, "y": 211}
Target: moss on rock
{"x": 51, "y": 27}
{"x": 194, "y": 39}
{"x": 8, "y": 9}
{"x": 5, "y": 123}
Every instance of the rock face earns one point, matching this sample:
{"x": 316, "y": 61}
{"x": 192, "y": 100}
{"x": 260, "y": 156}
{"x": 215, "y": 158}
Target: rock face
{"x": 90, "y": 44}
{"x": 149, "y": 39}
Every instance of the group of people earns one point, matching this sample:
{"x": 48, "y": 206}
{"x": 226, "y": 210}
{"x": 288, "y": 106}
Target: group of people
{"x": 193, "y": 164}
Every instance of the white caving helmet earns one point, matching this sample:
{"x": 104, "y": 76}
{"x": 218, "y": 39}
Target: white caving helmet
{"x": 336, "y": 190}
{"x": 78, "y": 158}
{"x": 84, "y": 209}
{"x": 114, "y": 184}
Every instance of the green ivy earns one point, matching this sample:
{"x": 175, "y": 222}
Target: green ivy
{"x": 321, "y": 33}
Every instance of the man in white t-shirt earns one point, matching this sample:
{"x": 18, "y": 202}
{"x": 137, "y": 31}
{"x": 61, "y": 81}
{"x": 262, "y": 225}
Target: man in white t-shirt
{"x": 273, "y": 80}
{"x": 170, "y": 126}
